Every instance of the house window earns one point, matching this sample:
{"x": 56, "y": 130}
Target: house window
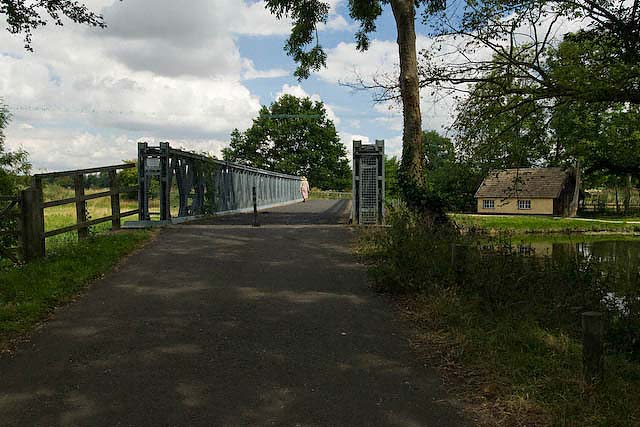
{"x": 524, "y": 204}
{"x": 488, "y": 204}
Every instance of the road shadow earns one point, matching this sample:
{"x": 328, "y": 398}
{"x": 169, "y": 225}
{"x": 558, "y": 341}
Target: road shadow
{"x": 307, "y": 213}
{"x": 226, "y": 326}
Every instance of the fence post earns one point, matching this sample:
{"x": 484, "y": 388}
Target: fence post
{"x": 32, "y": 223}
{"x": 114, "y": 186}
{"x": 592, "y": 347}
{"x": 81, "y": 205}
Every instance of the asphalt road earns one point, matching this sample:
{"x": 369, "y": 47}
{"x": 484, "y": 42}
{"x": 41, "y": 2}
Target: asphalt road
{"x": 227, "y": 325}
{"x": 313, "y": 212}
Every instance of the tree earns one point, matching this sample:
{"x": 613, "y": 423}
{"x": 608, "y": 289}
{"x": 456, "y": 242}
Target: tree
{"x": 22, "y": 16}
{"x": 307, "y": 14}
{"x": 497, "y": 132}
{"x": 450, "y": 178}
{"x": 521, "y": 35}
{"x": 13, "y": 164}
{"x": 606, "y": 139}
{"x": 391, "y": 166}
{"x": 129, "y": 178}
{"x": 438, "y": 149}
{"x": 294, "y": 135}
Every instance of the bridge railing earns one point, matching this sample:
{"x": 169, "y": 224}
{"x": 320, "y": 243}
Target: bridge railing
{"x": 200, "y": 185}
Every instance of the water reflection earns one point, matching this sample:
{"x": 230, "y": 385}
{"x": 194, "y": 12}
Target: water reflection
{"x": 613, "y": 266}
{"x": 624, "y": 254}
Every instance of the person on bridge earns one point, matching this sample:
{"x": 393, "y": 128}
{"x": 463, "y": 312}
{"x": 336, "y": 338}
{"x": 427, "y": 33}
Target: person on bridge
{"x": 304, "y": 189}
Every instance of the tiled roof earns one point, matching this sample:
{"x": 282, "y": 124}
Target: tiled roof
{"x": 535, "y": 183}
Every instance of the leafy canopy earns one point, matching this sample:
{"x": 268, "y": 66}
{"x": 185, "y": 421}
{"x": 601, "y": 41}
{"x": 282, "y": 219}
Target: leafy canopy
{"x": 22, "y": 16}
{"x": 295, "y": 136}
{"x": 304, "y": 45}
{"x": 13, "y": 164}
{"x": 522, "y": 34}
{"x": 453, "y": 179}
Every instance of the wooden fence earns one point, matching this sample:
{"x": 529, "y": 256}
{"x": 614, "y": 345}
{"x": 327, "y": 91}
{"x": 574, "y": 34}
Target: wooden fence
{"x": 593, "y": 206}
{"x": 31, "y": 229}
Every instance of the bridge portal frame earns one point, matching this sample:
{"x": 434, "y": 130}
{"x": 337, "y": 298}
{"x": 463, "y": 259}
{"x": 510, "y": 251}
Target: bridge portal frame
{"x": 368, "y": 183}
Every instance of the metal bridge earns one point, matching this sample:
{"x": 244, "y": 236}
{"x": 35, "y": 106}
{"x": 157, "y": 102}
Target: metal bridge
{"x": 206, "y": 186}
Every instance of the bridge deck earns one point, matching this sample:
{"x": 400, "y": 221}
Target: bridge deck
{"x": 311, "y": 212}
{"x": 227, "y": 326}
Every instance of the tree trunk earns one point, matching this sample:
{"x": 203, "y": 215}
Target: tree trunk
{"x": 627, "y": 195}
{"x": 411, "y": 169}
{"x": 575, "y": 200}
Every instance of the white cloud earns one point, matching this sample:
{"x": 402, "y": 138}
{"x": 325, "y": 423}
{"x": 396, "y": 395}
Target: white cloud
{"x": 345, "y": 64}
{"x": 338, "y": 23}
{"x": 65, "y": 149}
{"x": 251, "y": 73}
{"x": 161, "y": 69}
{"x": 347, "y": 140}
{"x": 60, "y": 149}
{"x": 393, "y": 146}
{"x": 297, "y": 90}
{"x": 115, "y": 97}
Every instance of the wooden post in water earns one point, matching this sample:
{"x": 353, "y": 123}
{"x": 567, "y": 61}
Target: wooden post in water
{"x": 255, "y": 207}
{"x": 32, "y": 223}
{"x": 592, "y": 347}
{"x": 115, "y": 199}
{"x": 81, "y": 205}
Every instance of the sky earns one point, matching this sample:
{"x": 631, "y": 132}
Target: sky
{"x": 162, "y": 71}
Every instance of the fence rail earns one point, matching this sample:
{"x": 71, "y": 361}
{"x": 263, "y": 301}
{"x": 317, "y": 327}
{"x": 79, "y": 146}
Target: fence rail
{"x": 206, "y": 185}
{"x": 29, "y": 225}
{"x": 608, "y": 207}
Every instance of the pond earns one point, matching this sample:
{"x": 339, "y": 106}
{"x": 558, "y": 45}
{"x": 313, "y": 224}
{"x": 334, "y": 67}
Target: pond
{"x": 619, "y": 253}
{"x": 615, "y": 263}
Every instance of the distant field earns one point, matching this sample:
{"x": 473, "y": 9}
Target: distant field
{"x": 544, "y": 224}
{"x": 65, "y": 215}
{"x": 316, "y": 194}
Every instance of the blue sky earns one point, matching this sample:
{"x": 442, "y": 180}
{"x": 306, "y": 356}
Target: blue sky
{"x": 162, "y": 71}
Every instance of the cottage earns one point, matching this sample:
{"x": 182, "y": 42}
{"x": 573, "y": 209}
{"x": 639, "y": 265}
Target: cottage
{"x": 530, "y": 191}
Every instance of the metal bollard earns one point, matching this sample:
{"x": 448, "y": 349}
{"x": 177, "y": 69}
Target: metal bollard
{"x": 255, "y": 208}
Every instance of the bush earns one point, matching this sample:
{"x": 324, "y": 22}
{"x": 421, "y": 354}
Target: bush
{"x": 504, "y": 279}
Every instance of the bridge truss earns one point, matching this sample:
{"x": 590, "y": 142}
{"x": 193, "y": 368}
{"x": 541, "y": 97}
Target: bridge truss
{"x": 205, "y": 185}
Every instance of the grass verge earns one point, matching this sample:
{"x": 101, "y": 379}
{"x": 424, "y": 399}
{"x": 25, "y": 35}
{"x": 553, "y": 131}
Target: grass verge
{"x": 504, "y": 329}
{"x": 29, "y": 293}
{"x": 542, "y": 224}
{"x": 510, "y": 370}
